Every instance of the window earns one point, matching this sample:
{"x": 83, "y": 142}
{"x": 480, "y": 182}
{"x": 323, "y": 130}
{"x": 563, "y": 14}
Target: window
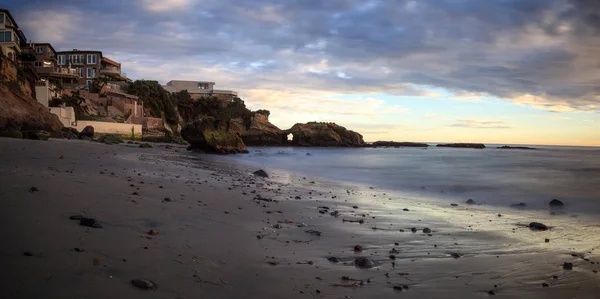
{"x": 1, "y": 18}
{"x": 38, "y": 64}
{"x": 62, "y": 59}
{"x": 80, "y": 72}
{"x": 40, "y": 49}
{"x": 77, "y": 59}
{"x": 88, "y": 83}
{"x": 91, "y": 73}
{"x": 92, "y": 59}
{"x": 6, "y": 36}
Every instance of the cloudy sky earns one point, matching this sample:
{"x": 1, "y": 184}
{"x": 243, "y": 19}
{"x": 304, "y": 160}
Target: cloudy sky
{"x": 496, "y": 71}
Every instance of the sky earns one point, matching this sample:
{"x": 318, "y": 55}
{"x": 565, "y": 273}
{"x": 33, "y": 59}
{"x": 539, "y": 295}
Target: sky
{"x": 495, "y": 71}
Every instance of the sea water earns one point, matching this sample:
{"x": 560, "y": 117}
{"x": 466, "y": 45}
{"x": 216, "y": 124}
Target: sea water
{"x": 490, "y": 176}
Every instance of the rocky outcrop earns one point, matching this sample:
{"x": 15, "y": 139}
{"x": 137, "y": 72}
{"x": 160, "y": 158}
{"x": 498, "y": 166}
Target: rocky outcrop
{"x": 463, "y": 145}
{"x": 19, "y": 112}
{"x": 323, "y": 134}
{"x": 87, "y": 133}
{"x": 214, "y": 136}
{"x": 517, "y": 147}
{"x": 262, "y": 132}
{"x": 397, "y": 144}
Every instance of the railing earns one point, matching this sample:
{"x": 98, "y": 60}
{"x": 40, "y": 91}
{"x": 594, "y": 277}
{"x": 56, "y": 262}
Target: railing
{"x": 66, "y": 71}
{"x": 111, "y": 69}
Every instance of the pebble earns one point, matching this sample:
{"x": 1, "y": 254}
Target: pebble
{"x": 414, "y": 229}
{"x": 143, "y": 283}
{"x": 427, "y": 230}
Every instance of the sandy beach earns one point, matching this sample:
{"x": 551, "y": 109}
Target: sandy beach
{"x": 221, "y": 232}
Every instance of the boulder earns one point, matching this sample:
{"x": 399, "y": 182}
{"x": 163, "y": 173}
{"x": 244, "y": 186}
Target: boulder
{"x": 110, "y": 139}
{"x": 397, "y": 144}
{"x": 145, "y": 145}
{"x": 262, "y": 132}
{"x": 87, "y": 133}
{"x": 463, "y": 145}
{"x": 470, "y": 202}
{"x": 555, "y": 203}
{"x": 324, "y": 134}
{"x": 212, "y": 135}
{"x": 69, "y": 133}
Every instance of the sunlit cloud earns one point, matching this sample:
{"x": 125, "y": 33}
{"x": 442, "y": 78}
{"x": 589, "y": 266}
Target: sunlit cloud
{"x": 481, "y": 124}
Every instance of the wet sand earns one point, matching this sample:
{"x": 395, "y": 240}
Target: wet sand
{"x": 215, "y": 240}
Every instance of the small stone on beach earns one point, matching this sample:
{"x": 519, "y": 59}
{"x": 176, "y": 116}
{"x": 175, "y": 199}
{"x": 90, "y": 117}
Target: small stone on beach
{"x": 555, "y": 203}
{"x": 152, "y": 232}
{"x": 143, "y": 283}
{"x": 33, "y": 189}
{"x": 427, "y": 230}
{"x": 364, "y": 262}
{"x": 261, "y": 173}
{"x": 537, "y": 226}
{"x": 27, "y": 253}
{"x": 568, "y": 266}
{"x": 333, "y": 259}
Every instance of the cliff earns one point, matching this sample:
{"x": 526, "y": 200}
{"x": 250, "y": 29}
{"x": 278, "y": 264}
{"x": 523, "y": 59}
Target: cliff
{"x": 20, "y": 112}
{"x": 261, "y": 132}
{"x": 213, "y": 135}
{"x": 324, "y": 134}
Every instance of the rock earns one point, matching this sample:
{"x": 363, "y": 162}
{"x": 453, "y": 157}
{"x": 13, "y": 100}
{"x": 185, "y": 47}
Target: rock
{"x": 90, "y": 222}
{"x": 358, "y": 248}
{"x": 537, "y": 226}
{"x": 213, "y": 136}
{"x": 470, "y": 202}
{"x": 405, "y": 210}
{"x": 491, "y": 293}
{"x": 398, "y": 288}
{"x": 261, "y": 132}
{"x": 110, "y": 139}
{"x": 145, "y": 145}
{"x": 33, "y": 189}
{"x": 414, "y": 229}
{"x": 547, "y": 240}
{"x": 517, "y": 147}
{"x": 555, "y": 203}
{"x": 364, "y": 262}
{"x": 427, "y": 230}
{"x": 335, "y": 213}
{"x": 454, "y": 205}
{"x": 36, "y": 135}
{"x": 167, "y": 199}
{"x": 144, "y": 283}
{"x": 152, "y": 232}
{"x": 521, "y": 205}
{"x": 392, "y": 257}
{"x": 568, "y": 266}
{"x": 27, "y": 253}
{"x": 69, "y": 133}
{"x": 545, "y": 285}
{"x": 463, "y": 145}
{"x": 355, "y": 207}
{"x": 456, "y": 255}
{"x": 397, "y": 144}
{"x": 261, "y": 173}
{"x": 79, "y": 249}
{"x": 297, "y": 197}
{"x": 324, "y": 134}
{"x": 333, "y": 259}
{"x": 11, "y": 133}
{"x": 96, "y": 261}
{"x": 313, "y": 232}
{"x": 87, "y": 133}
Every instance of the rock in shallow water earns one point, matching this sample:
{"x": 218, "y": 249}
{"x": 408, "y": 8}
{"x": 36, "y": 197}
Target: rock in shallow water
{"x": 470, "y": 202}
{"x": 333, "y": 259}
{"x": 537, "y": 226}
{"x": 364, "y": 262}
{"x": 261, "y": 173}
{"x": 555, "y": 203}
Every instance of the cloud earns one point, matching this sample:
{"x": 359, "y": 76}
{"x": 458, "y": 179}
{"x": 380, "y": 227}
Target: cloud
{"x": 165, "y": 5}
{"x": 481, "y": 124}
{"x": 555, "y": 117}
{"x": 537, "y": 53}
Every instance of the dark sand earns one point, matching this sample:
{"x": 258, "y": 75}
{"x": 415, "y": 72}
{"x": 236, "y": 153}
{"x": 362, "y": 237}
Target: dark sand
{"x": 207, "y": 245}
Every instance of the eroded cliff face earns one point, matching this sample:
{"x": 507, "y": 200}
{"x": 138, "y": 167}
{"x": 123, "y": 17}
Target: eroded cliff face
{"x": 324, "y": 134}
{"x": 263, "y": 133}
{"x": 19, "y": 112}
{"x": 213, "y": 136}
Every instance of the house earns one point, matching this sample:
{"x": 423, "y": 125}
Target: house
{"x": 11, "y": 38}
{"x": 48, "y": 68}
{"x": 87, "y": 63}
{"x": 200, "y": 89}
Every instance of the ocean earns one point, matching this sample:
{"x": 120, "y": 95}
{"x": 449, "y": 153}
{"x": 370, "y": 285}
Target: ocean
{"x": 489, "y": 176}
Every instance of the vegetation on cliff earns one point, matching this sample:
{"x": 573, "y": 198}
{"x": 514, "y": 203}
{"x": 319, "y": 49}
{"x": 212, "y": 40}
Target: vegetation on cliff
{"x": 156, "y": 98}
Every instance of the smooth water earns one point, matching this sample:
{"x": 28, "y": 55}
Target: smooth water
{"x": 489, "y": 176}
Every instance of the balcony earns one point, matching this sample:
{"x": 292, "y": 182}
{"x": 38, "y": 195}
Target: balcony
{"x": 112, "y": 72}
{"x": 58, "y": 72}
